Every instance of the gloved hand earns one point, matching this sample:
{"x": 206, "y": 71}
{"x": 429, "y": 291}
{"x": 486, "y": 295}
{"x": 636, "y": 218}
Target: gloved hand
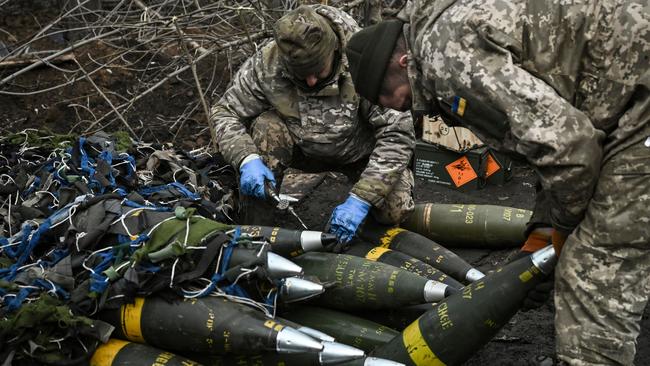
{"x": 347, "y": 217}
{"x": 558, "y": 238}
{"x": 537, "y": 239}
{"x": 253, "y": 174}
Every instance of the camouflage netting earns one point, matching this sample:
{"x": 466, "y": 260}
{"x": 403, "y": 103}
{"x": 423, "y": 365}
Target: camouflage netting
{"x": 89, "y": 223}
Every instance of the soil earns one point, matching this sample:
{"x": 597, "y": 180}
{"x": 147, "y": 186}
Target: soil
{"x": 528, "y": 335}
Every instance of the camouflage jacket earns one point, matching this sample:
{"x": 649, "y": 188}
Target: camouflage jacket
{"x": 534, "y": 78}
{"x": 333, "y": 124}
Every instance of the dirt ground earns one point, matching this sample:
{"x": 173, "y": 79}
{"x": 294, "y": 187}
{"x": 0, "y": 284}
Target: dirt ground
{"x": 527, "y": 335}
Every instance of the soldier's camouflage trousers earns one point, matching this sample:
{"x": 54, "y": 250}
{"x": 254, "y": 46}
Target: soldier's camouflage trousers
{"x": 602, "y": 280}
{"x": 276, "y": 146}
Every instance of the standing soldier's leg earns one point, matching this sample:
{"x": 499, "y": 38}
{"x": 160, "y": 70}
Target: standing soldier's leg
{"x": 275, "y": 145}
{"x": 603, "y": 276}
{"x": 399, "y": 202}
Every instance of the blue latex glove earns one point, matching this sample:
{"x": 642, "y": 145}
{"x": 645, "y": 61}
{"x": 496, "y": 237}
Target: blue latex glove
{"x": 347, "y": 217}
{"x": 253, "y": 174}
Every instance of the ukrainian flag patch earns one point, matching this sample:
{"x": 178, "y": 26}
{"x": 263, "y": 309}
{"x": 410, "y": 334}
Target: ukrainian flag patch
{"x": 459, "y": 105}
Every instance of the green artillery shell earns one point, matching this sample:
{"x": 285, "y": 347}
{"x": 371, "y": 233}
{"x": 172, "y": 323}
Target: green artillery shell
{"x": 423, "y": 249}
{"x": 122, "y": 353}
{"x": 291, "y": 243}
{"x": 398, "y": 318}
{"x": 400, "y": 260}
{"x": 470, "y": 225}
{"x": 461, "y": 324}
{"x": 275, "y": 265}
{"x": 332, "y": 353}
{"x": 290, "y": 360}
{"x": 312, "y": 332}
{"x": 361, "y": 283}
{"x": 208, "y": 325}
{"x": 345, "y": 328}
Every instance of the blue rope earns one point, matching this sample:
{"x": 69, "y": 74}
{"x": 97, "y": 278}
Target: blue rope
{"x": 148, "y": 191}
{"x": 31, "y": 188}
{"x": 130, "y": 165}
{"x": 15, "y": 302}
{"x": 232, "y": 289}
{"x": 13, "y": 253}
{"x": 25, "y": 249}
{"x": 98, "y": 281}
{"x": 52, "y": 286}
{"x": 133, "y": 204}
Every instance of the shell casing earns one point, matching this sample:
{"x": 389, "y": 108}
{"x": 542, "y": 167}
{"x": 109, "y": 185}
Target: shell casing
{"x": 401, "y": 260}
{"x": 371, "y": 361}
{"x": 332, "y": 353}
{"x": 117, "y": 352}
{"x": 294, "y": 289}
{"x": 461, "y": 324}
{"x": 463, "y": 225}
{"x": 276, "y": 266}
{"x": 312, "y": 332}
{"x": 209, "y": 325}
{"x": 419, "y": 247}
{"x": 345, "y": 328}
{"x": 359, "y": 283}
{"x": 398, "y": 318}
{"x": 290, "y": 243}
{"x": 265, "y": 359}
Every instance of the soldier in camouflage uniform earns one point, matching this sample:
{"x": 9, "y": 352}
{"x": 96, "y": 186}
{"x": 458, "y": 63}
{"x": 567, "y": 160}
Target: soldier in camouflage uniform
{"x": 296, "y": 94}
{"x": 566, "y": 85}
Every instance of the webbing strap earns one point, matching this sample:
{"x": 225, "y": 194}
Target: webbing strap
{"x": 207, "y": 258}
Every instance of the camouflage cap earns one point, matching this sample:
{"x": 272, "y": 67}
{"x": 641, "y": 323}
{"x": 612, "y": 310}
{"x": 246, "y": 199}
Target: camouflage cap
{"x": 305, "y": 40}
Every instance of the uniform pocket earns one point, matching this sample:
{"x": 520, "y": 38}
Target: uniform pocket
{"x": 635, "y": 160}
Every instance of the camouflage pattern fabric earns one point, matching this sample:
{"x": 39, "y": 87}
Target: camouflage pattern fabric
{"x": 271, "y": 135}
{"x": 566, "y": 85}
{"x": 332, "y": 124}
{"x": 368, "y": 12}
{"x": 603, "y": 277}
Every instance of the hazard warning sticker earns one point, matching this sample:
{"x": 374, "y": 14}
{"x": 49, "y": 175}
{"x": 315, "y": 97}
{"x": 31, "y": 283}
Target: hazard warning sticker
{"x": 461, "y": 171}
{"x": 492, "y": 165}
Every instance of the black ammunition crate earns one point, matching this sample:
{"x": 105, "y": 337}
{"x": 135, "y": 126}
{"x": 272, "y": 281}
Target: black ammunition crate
{"x": 472, "y": 169}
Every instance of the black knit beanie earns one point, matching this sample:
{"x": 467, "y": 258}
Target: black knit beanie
{"x": 369, "y": 52}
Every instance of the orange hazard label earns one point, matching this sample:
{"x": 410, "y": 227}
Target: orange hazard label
{"x": 461, "y": 172}
{"x": 492, "y": 166}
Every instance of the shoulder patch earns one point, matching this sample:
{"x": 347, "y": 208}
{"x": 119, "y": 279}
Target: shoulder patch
{"x": 459, "y": 105}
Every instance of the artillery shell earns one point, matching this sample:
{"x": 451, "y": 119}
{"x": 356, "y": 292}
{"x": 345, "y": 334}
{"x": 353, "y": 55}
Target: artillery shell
{"x": 291, "y": 243}
{"x": 117, "y": 352}
{"x": 346, "y": 328}
{"x": 361, "y": 283}
{"x": 332, "y": 353}
{"x": 460, "y": 325}
{"x": 276, "y": 266}
{"x": 423, "y": 249}
{"x": 210, "y": 325}
{"x": 400, "y": 260}
{"x": 460, "y": 225}
{"x": 398, "y": 318}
